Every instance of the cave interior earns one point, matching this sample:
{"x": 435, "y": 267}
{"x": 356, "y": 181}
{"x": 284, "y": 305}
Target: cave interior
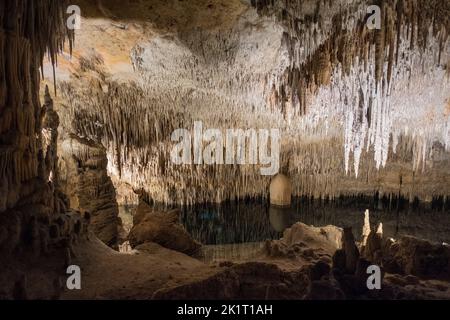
{"x": 224, "y": 149}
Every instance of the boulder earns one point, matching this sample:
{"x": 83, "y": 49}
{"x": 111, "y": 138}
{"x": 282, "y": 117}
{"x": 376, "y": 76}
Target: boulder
{"x": 161, "y": 228}
{"x": 327, "y": 238}
{"x": 306, "y": 242}
{"x": 419, "y": 258}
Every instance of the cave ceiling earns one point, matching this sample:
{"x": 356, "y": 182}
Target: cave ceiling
{"x": 359, "y": 110}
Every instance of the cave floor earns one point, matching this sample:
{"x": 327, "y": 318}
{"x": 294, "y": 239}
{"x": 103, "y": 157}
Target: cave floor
{"x": 108, "y": 274}
{"x": 141, "y": 274}
{"x": 154, "y": 272}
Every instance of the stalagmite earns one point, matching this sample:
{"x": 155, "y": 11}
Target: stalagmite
{"x": 351, "y": 251}
{"x": 380, "y": 229}
{"x": 31, "y": 206}
{"x": 280, "y": 191}
{"x": 372, "y": 250}
{"x": 366, "y": 228}
{"x": 361, "y": 117}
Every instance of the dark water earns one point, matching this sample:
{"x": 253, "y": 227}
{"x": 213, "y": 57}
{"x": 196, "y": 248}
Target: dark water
{"x": 254, "y": 220}
{"x": 246, "y": 221}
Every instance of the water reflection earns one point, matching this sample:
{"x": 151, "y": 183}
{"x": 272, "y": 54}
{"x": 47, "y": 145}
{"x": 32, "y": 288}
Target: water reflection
{"x": 249, "y": 221}
{"x": 255, "y": 220}
{"x": 280, "y": 218}
{"x": 228, "y": 223}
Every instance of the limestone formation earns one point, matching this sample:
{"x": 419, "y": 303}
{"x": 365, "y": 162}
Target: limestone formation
{"x": 372, "y": 250}
{"x": 36, "y": 224}
{"x": 360, "y": 111}
{"x": 326, "y": 239}
{"x": 407, "y": 258}
{"x": 162, "y": 228}
{"x": 366, "y": 228}
{"x": 280, "y": 191}
{"x": 306, "y": 243}
{"x": 334, "y": 88}
{"x": 84, "y": 179}
{"x": 21, "y": 124}
{"x": 351, "y": 251}
{"x": 418, "y": 257}
{"x": 344, "y": 44}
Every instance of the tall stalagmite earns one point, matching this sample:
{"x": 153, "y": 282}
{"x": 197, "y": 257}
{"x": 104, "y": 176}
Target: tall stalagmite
{"x": 34, "y": 221}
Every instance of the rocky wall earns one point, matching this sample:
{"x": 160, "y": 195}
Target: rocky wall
{"x": 82, "y": 168}
{"x": 35, "y": 224}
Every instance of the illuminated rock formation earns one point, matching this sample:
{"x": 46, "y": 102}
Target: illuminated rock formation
{"x": 336, "y": 89}
{"x": 360, "y": 111}
{"x": 280, "y": 191}
{"x": 162, "y": 228}
{"x": 84, "y": 180}
{"x": 366, "y": 228}
{"x": 34, "y": 221}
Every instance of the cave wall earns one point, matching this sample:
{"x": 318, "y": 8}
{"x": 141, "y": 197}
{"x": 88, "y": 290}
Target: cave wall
{"x": 35, "y": 225}
{"x": 84, "y": 180}
{"x": 25, "y": 35}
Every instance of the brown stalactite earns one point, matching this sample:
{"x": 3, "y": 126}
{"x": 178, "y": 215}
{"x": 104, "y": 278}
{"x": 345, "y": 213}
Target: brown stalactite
{"x": 34, "y": 220}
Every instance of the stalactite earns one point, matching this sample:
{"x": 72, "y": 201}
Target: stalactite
{"x": 34, "y": 220}
{"x": 311, "y": 68}
{"x": 23, "y": 44}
